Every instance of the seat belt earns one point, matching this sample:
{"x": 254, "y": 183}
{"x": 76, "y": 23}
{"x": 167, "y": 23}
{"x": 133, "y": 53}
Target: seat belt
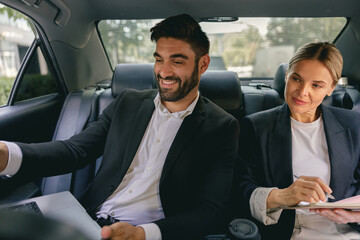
{"x": 65, "y": 182}
{"x": 84, "y": 110}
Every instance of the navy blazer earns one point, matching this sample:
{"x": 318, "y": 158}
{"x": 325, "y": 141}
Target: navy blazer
{"x": 266, "y": 157}
{"x": 197, "y": 173}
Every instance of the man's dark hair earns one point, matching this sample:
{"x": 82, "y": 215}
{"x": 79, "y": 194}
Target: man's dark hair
{"x": 182, "y": 27}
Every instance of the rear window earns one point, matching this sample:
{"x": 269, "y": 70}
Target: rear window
{"x": 251, "y": 47}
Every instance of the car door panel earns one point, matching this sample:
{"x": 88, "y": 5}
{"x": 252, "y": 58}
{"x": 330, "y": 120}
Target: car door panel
{"x": 32, "y": 120}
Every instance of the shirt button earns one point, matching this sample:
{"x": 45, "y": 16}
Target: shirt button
{"x": 148, "y": 168}
{"x": 130, "y": 191}
{"x": 112, "y": 214}
{"x": 157, "y": 140}
{"x": 111, "y": 188}
{"x": 168, "y": 116}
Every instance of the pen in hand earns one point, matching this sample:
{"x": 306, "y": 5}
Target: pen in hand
{"x": 328, "y": 195}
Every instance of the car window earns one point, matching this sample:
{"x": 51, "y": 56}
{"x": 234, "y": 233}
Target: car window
{"x": 37, "y": 80}
{"x": 251, "y": 47}
{"x": 17, "y": 36}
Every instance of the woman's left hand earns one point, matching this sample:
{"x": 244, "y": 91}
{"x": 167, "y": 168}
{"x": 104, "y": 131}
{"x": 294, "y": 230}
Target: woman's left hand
{"x": 339, "y": 215}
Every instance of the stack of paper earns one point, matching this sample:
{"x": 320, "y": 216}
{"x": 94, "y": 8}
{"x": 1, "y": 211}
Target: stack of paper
{"x": 347, "y": 203}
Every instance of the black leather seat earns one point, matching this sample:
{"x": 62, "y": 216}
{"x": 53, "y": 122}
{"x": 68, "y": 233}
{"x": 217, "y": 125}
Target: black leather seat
{"x": 260, "y": 97}
{"x": 279, "y": 79}
{"x": 133, "y": 76}
{"x": 223, "y": 88}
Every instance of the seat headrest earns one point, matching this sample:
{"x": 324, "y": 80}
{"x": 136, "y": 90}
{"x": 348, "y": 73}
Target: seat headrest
{"x": 279, "y": 80}
{"x": 135, "y": 76}
{"x": 223, "y": 88}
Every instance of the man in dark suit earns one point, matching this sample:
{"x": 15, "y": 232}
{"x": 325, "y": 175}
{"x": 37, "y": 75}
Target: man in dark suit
{"x": 168, "y": 155}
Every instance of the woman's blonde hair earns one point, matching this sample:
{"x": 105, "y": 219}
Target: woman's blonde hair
{"x": 325, "y": 52}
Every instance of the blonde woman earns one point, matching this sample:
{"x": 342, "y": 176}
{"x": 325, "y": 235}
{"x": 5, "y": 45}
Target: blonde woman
{"x": 303, "y": 151}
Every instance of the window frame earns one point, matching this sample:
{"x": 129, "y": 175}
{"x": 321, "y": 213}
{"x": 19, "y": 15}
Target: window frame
{"x": 41, "y": 43}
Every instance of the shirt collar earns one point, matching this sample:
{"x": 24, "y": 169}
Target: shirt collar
{"x": 180, "y": 115}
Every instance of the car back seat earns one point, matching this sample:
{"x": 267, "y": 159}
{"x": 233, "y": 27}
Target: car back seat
{"x": 135, "y": 76}
{"x": 279, "y": 79}
{"x": 344, "y": 96}
{"x": 261, "y": 97}
{"x": 223, "y": 88}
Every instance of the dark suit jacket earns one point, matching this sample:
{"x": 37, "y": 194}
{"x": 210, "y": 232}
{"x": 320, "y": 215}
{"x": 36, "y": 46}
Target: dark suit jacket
{"x": 197, "y": 174}
{"x": 265, "y": 149}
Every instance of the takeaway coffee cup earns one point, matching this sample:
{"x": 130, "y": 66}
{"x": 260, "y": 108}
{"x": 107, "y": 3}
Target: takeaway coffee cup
{"x": 242, "y": 229}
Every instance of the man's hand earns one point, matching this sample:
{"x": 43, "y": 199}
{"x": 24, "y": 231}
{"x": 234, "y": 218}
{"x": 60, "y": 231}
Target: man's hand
{"x": 122, "y": 231}
{"x": 307, "y": 189}
{"x": 4, "y": 156}
{"x": 339, "y": 215}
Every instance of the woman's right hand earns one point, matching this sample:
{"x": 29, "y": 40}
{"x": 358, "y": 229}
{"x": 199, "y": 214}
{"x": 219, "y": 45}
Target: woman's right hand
{"x": 305, "y": 188}
{"x": 4, "y": 156}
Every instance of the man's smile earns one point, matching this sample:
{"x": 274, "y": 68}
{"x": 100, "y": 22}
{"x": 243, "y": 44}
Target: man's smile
{"x": 167, "y": 83}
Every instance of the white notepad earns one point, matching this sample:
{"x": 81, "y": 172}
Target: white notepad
{"x": 64, "y": 207}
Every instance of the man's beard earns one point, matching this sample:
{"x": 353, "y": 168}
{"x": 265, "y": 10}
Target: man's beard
{"x": 185, "y": 87}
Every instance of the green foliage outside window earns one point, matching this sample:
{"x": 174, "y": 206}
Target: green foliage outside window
{"x": 5, "y": 88}
{"x": 237, "y": 49}
{"x": 33, "y": 85}
{"x": 127, "y": 40}
{"x": 299, "y": 31}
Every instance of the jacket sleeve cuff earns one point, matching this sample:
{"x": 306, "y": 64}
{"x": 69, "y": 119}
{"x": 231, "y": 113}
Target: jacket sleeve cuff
{"x": 152, "y": 231}
{"x": 258, "y": 206}
{"x": 14, "y": 161}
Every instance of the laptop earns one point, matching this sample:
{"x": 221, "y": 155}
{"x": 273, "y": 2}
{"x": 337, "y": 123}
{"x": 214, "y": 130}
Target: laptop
{"x": 62, "y": 207}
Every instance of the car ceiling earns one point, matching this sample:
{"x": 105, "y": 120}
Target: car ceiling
{"x": 75, "y": 15}
{"x": 70, "y": 29}
{"x": 139, "y": 9}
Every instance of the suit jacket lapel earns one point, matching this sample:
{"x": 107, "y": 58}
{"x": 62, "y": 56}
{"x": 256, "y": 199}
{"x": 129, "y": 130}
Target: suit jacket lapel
{"x": 137, "y": 130}
{"x": 187, "y": 130}
{"x": 279, "y": 150}
{"x": 340, "y": 153}
{"x": 93, "y": 197}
